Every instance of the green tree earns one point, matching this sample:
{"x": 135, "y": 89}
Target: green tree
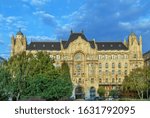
{"x": 101, "y": 91}
{"x": 136, "y": 82}
{"x": 5, "y": 83}
{"x": 147, "y": 79}
{"x": 113, "y": 93}
{"x": 35, "y": 75}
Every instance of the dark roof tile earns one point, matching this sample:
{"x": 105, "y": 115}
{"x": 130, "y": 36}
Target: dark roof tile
{"x": 44, "y": 46}
{"x": 111, "y": 46}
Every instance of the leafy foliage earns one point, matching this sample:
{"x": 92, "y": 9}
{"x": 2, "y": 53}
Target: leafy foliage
{"x": 136, "y": 81}
{"x": 101, "y": 91}
{"x": 35, "y": 75}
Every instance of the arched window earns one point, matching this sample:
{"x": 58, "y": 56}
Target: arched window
{"x": 106, "y": 80}
{"x": 79, "y": 57}
{"x": 100, "y": 80}
{"x": 126, "y": 65}
{"x": 113, "y": 72}
{"x": 113, "y": 80}
{"x": 119, "y": 65}
{"x": 119, "y": 80}
{"x": 100, "y": 65}
{"x": 100, "y": 72}
{"x": 106, "y": 65}
{"x": 92, "y": 80}
{"x": 119, "y": 72}
{"x": 79, "y": 81}
{"x": 125, "y": 72}
{"x": 92, "y": 93}
{"x": 135, "y": 56}
{"x": 106, "y": 72}
{"x": 113, "y": 65}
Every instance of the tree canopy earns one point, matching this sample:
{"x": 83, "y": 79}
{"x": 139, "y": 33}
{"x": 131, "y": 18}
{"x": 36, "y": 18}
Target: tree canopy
{"x": 33, "y": 75}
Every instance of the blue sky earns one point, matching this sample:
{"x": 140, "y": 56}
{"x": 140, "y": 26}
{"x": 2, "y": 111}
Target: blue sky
{"x": 104, "y": 20}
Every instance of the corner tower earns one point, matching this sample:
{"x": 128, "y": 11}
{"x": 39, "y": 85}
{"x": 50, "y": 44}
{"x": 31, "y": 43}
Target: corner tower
{"x": 134, "y": 45}
{"x": 18, "y": 43}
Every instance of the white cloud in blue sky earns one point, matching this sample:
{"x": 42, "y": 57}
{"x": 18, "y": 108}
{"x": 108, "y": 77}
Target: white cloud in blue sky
{"x": 104, "y": 20}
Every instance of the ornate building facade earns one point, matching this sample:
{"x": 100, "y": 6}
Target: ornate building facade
{"x": 146, "y": 57}
{"x": 92, "y": 64}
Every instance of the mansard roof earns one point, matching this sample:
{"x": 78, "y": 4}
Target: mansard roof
{"x": 44, "y": 46}
{"x": 111, "y": 46}
{"x": 73, "y": 36}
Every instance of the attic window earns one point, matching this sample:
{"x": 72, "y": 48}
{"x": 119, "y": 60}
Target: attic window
{"x": 33, "y": 45}
{"x": 43, "y": 45}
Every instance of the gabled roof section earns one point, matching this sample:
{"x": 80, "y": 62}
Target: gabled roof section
{"x": 73, "y": 36}
{"x": 92, "y": 44}
{"x": 44, "y": 46}
{"x": 111, "y": 46}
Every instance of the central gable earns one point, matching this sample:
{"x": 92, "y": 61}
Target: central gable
{"x": 79, "y": 44}
{"x": 75, "y": 36}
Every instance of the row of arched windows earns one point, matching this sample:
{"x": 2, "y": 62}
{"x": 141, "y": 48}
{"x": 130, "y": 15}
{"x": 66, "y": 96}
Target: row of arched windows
{"x": 113, "y": 72}
{"x": 113, "y": 80}
{"x": 113, "y": 56}
{"x": 113, "y": 65}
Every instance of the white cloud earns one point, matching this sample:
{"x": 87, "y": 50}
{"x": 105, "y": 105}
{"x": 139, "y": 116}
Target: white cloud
{"x": 47, "y": 18}
{"x": 41, "y": 38}
{"x": 11, "y": 22}
{"x": 141, "y": 23}
{"x": 37, "y": 2}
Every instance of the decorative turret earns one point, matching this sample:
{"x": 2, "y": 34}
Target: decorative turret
{"x": 135, "y": 46}
{"x": 19, "y": 43}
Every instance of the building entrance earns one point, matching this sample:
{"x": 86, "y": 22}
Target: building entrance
{"x": 92, "y": 93}
{"x": 79, "y": 92}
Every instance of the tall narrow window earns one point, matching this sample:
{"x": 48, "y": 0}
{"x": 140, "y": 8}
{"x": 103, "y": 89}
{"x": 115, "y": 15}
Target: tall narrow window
{"x": 113, "y": 65}
{"x": 106, "y": 80}
{"x": 100, "y": 80}
{"x": 126, "y": 65}
{"x": 79, "y": 80}
{"x": 119, "y": 72}
{"x": 113, "y": 72}
{"x": 119, "y": 80}
{"x": 100, "y": 65}
{"x": 125, "y": 72}
{"x": 119, "y": 65}
{"x": 106, "y": 65}
{"x": 113, "y": 80}
{"x": 92, "y": 80}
